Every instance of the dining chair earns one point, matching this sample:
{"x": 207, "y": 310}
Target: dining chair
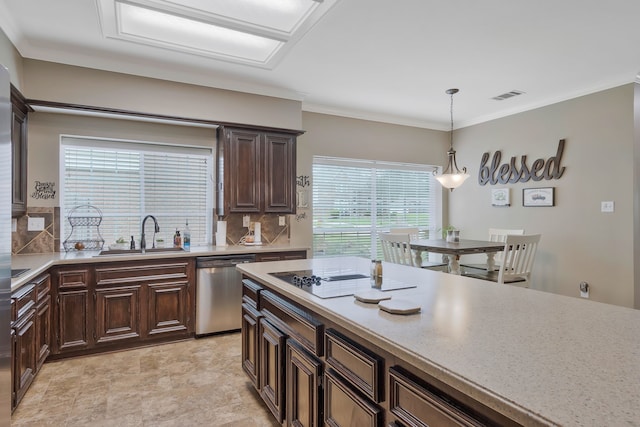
{"x": 496, "y": 235}
{"x": 517, "y": 261}
{"x": 396, "y": 249}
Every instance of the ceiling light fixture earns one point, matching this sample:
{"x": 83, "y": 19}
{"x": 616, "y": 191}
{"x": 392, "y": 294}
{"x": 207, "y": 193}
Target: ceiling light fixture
{"x": 452, "y": 177}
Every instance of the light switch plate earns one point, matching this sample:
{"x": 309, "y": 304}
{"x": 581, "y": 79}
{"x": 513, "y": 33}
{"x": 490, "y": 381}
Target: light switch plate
{"x": 35, "y": 224}
{"x": 281, "y": 221}
{"x": 246, "y": 221}
{"x": 14, "y": 225}
{"x": 606, "y": 206}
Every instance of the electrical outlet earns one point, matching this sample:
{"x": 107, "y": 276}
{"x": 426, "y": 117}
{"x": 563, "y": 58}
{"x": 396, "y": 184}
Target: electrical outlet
{"x": 584, "y": 289}
{"x": 35, "y": 224}
{"x": 607, "y": 206}
{"x": 281, "y": 221}
{"x": 246, "y": 221}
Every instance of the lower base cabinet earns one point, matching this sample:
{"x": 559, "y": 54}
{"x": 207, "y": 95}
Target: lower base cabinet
{"x": 250, "y": 339}
{"x": 272, "y": 368}
{"x": 304, "y": 387}
{"x": 30, "y": 334}
{"x": 116, "y": 305}
{"x": 346, "y": 407}
{"x": 344, "y": 381}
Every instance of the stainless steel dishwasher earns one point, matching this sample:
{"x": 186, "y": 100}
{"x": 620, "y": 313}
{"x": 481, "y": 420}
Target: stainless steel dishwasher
{"x": 219, "y": 293}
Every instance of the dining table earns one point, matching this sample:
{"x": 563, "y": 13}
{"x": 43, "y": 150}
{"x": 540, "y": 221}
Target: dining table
{"x": 454, "y": 249}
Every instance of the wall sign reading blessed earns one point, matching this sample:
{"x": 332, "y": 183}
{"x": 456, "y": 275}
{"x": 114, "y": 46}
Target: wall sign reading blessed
{"x": 509, "y": 173}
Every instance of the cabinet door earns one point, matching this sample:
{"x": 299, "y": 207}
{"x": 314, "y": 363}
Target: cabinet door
{"x": 19, "y": 153}
{"x": 272, "y": 368}
{"x": 343, "y": 406}
{"x": 117, "y": 314}
{"x": 243, "y": 171}
{"x": 304, "y": 393}
{"x": 168, "y": 309}
{"x": 279, "y": 157}
{"x": 73, "y": 321}
{"x": 43, "y": 330}
{"x": 250, "y": 318}
{"x": 25, "y": 358}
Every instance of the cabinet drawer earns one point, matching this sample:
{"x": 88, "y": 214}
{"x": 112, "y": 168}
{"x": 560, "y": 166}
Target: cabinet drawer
{"x": 295, "y": 322}
{"x": 343, "y": 406}
{"x": 24, "y": 300}
{"x": 43, "y": 286}
{"x": 73, "y": 278}
{"x": 361, "y": 367}
{"x": 109, "y": 276}
{"x": 416, "y": 403}
{"x": 250, "y": 291}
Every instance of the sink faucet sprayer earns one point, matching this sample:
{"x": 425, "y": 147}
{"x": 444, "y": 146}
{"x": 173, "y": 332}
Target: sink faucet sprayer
{"x": 143, "y": 243}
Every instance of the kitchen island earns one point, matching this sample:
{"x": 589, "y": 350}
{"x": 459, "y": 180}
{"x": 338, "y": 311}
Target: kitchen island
{"x": 531, "y": 357}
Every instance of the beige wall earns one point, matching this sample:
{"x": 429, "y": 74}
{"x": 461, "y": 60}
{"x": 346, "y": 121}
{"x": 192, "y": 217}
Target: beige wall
{"x": 336, "y": 136}
{"x": 579, "y": 243}
{"x": 11, "y": 59}
{"x": 76, "y": 85}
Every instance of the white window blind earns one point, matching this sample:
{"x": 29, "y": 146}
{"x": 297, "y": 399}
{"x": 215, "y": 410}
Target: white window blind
{"x": 354, "y": 200}
{"x": 128, "y": 180}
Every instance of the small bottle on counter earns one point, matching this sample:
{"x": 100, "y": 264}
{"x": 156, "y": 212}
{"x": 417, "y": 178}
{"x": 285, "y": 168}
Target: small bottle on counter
{"x": 177, "y": 239}
{"x": 376, "y": 273}
{"x": 186, "y": 237}
{"x": 132, "y": 245}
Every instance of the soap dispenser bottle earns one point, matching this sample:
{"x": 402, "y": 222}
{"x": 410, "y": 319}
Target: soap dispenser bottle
{"x": 186, "y": 237}
{"x": 132, "y": 245}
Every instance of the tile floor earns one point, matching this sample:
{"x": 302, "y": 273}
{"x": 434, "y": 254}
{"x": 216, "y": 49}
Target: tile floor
{"x": 190, "y": 383}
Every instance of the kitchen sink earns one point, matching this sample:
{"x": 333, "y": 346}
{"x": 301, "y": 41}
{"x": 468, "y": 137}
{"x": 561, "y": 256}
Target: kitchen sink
{"x": 113, "y": 252}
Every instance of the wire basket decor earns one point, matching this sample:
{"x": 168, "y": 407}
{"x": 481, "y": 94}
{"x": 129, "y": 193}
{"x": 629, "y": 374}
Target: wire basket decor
{"x": 85, "y": 229}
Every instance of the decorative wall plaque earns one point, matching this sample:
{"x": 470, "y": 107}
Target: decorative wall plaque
{"x": 510, "y": 173}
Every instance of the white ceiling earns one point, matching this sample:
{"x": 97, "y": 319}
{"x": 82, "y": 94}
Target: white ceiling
{"x": 382, "y": 60}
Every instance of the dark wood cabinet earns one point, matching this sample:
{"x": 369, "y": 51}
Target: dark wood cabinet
{"x": 304, "y": 387}
{"x": 25, "y": 366}
{"x": 24, "y": 329}
{"x": 272, "y": 368}
{"x": 279, "y": 162}
{"x": 250, "y": 319}
{"x": 101, "y": 307}
{"x": 168, "y": 308}
{"x": 256, "y": 171}
{"x": 345, "y": 406}
{"x": 280, "y": 256}
{"x": 19, "y": 115}
{"x": 73, "y": 325}
{"x": 43, "y": 318}
{"x": 117, "y": 314}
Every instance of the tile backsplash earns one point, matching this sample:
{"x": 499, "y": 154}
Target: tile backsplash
{"x": 48, "y": 240}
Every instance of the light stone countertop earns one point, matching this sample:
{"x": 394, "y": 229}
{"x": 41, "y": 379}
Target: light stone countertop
{"x": 39, "y": 263}
{"x": 537, "y": 357}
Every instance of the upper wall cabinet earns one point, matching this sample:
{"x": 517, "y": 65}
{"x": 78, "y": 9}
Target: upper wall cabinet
{"x": 256, "y": 171}
{"x": 19, "y": 153}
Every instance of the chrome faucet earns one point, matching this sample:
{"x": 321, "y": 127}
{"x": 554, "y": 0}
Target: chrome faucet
{"x": 143, "y": 243}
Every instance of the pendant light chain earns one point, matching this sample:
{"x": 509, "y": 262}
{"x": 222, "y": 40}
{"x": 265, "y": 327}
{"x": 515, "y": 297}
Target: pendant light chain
{"x": 451, "y": 92}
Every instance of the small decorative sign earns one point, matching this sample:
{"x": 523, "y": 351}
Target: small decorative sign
{"x": 44, "y": 190}
{"x": 500, "y": 197}
{"x": 538, "y": 196}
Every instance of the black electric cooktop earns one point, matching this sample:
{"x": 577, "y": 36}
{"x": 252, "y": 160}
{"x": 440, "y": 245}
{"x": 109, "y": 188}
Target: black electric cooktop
{"x": 335, "y": 284}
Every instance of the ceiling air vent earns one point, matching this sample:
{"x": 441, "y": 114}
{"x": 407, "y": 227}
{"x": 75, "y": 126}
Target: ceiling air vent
{"x": 508, "y": 95}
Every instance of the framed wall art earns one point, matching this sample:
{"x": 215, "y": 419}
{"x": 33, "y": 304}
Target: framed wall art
{"x": 500, "y": 197}
{"x": 544, "y": 196}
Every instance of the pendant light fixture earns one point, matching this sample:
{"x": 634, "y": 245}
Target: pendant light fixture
{"x": 452, "y": 177}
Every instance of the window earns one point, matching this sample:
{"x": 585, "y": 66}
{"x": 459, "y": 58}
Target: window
{"x": 354, "y": 200}
{"x": 126, "y": 180}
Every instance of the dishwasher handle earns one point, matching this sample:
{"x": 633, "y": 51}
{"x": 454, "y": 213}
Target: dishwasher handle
{"x": 227, "y": 261}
